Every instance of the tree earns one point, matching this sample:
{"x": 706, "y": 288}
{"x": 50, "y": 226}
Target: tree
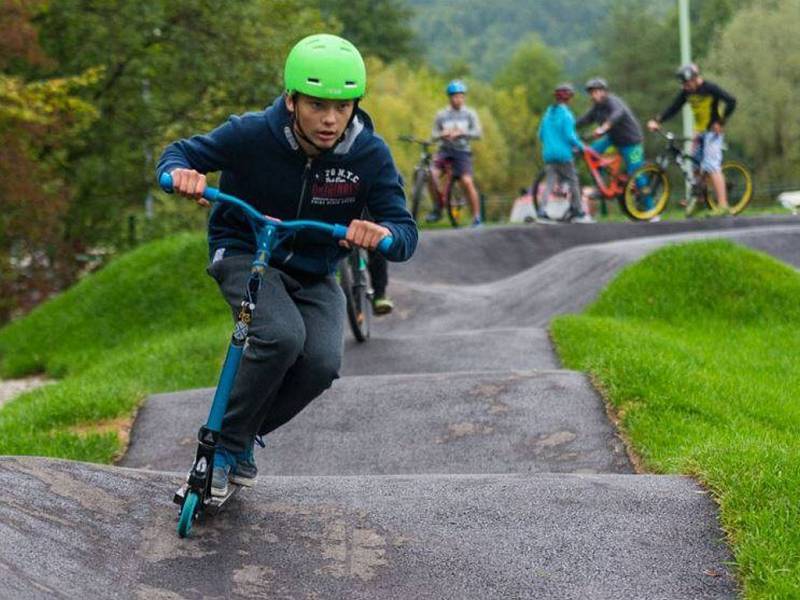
{"x": 639, "y": 53}
{"x": 403, "y": 99}
{"x": 765, "y": 79}
{"x": 170, "y": 69}
{"x": 709, "y": 19}
{"x": 534, "y": 67}
{"x": 379, "y": 28}
{"x": 39, "y": 122}
{"x": 486, "y": 33}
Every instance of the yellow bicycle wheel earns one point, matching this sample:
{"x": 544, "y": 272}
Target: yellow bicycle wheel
{"x": 646, "y": 193}
{"x": 738, "y": 183}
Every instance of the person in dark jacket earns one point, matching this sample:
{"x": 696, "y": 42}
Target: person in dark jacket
{"x": 616, "y": 126}
{"x": 313, "y": 154}
{"x": 706, "y": 100}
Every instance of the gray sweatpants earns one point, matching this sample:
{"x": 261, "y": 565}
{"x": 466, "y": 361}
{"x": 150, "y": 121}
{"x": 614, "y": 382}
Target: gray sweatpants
{"x": 564, "y": 172}
{"x": 293, "y": 351}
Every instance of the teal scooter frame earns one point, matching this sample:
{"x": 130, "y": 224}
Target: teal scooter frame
{"x": 194, "y": 497}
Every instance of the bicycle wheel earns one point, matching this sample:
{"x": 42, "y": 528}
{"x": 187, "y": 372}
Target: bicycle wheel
{"x": 419, "y": 191}
{"x": 646, "y": 193}
{"x": 558, "y": 205}
{"x": 455, "y": 203}
{"x": 537, "y": 191}
{"x": 356, "y": 293}
{"x": 738, "y": 183}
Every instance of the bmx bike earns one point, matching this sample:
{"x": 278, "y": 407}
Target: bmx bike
{"x": 607, "y": 173}
{"x": 648, "y": 191}
{"x": 444, "y": 194}
{"x": 354, "y": 279}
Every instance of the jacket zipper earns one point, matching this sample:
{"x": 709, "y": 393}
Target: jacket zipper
{"x": 306, "y": 172}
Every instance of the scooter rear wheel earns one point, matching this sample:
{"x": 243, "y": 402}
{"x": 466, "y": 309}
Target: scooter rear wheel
{"x": 187, "y": 513}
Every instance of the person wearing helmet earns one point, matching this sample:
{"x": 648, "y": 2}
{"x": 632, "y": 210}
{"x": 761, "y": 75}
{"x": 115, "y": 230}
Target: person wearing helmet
{"x": 616, "y": 125}
{"x": 705, "y": 98}
{"x": 559, "y": 142}
{"x": 312, "y": 154}
{"x": 454, "y": 127}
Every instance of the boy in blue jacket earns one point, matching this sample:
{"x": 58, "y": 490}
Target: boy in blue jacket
{"x": 313, "y": 154}
{"x": 559, "y": 140}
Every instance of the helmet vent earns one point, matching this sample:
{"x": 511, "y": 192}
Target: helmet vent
{"x": 313, "y": 81}
{"x": 350, "y": 84}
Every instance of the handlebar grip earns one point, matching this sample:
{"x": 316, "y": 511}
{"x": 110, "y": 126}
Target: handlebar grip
{"x": 340, "y": 233}
{"x": 385, "y": 244}
{"x": 165, "y": 181}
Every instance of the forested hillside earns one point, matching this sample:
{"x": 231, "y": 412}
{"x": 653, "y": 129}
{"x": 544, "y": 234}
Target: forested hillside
{"x": 484, "y": 34}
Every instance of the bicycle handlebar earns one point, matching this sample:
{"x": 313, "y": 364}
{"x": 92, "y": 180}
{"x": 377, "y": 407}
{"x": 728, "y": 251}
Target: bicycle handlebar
{"x": 337, "y": 232}
{"x": 671, "y": 137}
{"x": 412, "y": 139}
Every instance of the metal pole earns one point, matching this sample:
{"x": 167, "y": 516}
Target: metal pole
{"x": 148, "y": 158}
{"x": 686, "y": 58}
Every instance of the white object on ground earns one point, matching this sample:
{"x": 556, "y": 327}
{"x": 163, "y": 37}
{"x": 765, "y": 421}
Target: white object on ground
{"x": 522, "y": 210}
{"x": 790, "y": 201}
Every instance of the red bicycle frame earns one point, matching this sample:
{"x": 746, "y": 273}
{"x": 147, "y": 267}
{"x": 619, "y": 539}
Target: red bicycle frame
{"x": 613, "y": 165}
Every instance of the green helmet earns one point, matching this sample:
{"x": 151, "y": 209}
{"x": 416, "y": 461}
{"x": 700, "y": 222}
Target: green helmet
{"x": 325, "y": 66}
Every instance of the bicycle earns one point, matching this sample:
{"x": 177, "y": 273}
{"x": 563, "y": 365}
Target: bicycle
{"x": 446, "y": 194}
{"x": 649, "y": 199}
{"x": 606, "y": 171}
{"x": 194, "y": 497}
{"x": 354, "y": 279}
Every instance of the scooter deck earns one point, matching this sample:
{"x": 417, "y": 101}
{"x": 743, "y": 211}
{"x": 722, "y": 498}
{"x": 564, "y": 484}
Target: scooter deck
{"x": 213, "y": 503}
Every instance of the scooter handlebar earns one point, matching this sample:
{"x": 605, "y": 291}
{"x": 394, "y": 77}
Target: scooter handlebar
{"x": 212, "y": 194}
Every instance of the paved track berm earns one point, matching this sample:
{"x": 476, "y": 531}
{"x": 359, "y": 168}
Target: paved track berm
{"x": 453, "y": 459}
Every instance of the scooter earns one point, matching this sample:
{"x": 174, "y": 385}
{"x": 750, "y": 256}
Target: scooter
{"x": 194, "y": 497}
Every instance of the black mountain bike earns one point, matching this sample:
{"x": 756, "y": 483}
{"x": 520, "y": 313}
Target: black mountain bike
{"x": 353, "y": 276}
{"x": 425, "y": 191}
{"x": 648, "y": 189}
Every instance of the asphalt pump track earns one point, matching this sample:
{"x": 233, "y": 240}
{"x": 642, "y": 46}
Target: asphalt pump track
{"x": 454, "y": 458}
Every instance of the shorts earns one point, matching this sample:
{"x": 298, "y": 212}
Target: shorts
{"x": 708, "y": 148}
{"x": 460, "y": 159}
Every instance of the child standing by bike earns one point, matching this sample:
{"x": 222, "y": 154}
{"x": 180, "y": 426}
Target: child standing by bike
{"x": 454, "y": 127}
{"x": 313, "y": 154}
{"x": 559, "y": 141}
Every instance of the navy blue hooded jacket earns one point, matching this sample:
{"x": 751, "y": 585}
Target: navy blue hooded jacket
{"x": 262, "y": 163}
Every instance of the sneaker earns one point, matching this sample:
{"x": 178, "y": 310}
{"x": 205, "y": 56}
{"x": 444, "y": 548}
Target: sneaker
{"x": 656, "y": 219}
{"x": 244, "y": 471}
{"x": 584, "y": 218}
{"x": 433, "y": 216}
{"x": 476, "y": 222}
{"x": 720, "y": 211}
{"x": 223, "y": 463}
{"x": 382, "y": 305}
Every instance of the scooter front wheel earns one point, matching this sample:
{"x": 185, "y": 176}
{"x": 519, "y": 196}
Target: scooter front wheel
{"x": 187, "y": 513}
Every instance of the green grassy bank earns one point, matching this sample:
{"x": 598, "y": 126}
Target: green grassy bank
{"x": 697, "y": 348}
{"x": 150, "y": 321}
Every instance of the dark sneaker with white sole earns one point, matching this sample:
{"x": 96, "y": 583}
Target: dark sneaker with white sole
{"x": 234, "y": 467}
{"x": 223, "y": 463}
{"x": 244, "y": 472}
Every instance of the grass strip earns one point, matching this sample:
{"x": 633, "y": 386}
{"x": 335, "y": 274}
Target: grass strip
{"x": 151, "y": 321}
{"x": 696, "y": 347}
